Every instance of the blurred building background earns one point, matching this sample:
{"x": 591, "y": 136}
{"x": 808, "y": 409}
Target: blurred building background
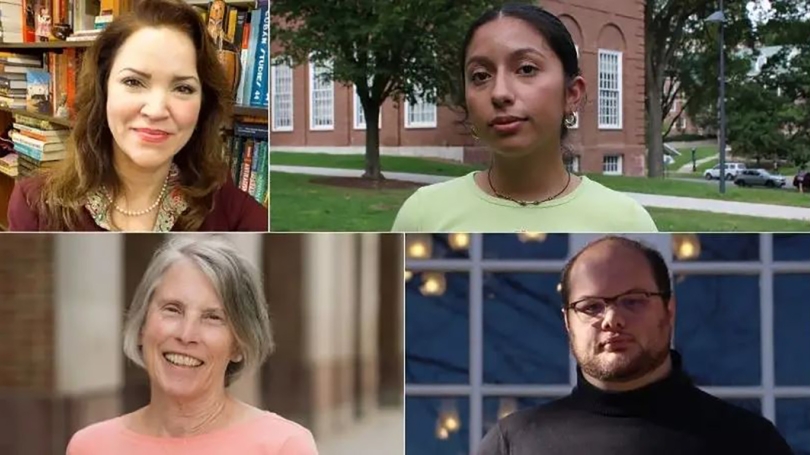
{"x": 485, "y": 335}
{"x": 335, "y": 302}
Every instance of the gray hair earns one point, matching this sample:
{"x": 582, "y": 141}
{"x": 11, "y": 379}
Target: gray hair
{"x": 237, "y": 283}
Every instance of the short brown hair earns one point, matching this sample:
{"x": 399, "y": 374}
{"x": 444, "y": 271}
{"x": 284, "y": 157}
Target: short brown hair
{"x": 89, "y": 165}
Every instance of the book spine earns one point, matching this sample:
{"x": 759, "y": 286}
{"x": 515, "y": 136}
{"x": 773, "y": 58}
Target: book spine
{"x": 255, "y": 29}
{"x": 259, "y": 86}
{"x": 246, "y": 162}
{"x": 240, "y": 91}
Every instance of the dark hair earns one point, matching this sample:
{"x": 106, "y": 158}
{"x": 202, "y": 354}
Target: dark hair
{"x": 546, "y": 24}
{"x": 89, "y": 163}
{"x": 658, "y": 266}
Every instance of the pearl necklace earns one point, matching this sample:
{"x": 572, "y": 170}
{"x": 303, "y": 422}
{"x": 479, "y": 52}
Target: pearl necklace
{"x": 139, "y": 212}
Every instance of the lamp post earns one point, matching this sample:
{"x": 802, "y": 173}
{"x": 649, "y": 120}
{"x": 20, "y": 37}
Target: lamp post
{"x": 719, "y": 17}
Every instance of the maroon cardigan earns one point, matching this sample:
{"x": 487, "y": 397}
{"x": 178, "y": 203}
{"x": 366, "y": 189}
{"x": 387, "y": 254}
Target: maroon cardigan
{"x": 234, "y": 210}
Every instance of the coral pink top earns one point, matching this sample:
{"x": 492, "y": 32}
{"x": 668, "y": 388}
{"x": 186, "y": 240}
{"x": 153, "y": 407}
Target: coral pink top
{"x": 269, "y": 434}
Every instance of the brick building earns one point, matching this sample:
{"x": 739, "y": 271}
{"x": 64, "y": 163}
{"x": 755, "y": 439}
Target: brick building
{"x": 335, "y": 300}
{"x": 309, "y": 115}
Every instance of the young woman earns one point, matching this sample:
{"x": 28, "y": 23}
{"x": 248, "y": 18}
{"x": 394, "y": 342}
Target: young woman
{"x": 522, "y": 86}
{"x": 145, "y": 153}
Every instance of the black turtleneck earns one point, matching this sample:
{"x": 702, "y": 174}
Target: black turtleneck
{"x": 667, "y": 417}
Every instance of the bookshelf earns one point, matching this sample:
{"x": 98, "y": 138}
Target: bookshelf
{"x": 37, "y": 115}
{"x": 49, "y": 45}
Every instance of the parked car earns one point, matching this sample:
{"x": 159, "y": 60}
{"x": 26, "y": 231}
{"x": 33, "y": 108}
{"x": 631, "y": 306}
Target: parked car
{"x": 754, "y": 177}
{"x": 804, "y": 177}
{"x": 732, "y": 169}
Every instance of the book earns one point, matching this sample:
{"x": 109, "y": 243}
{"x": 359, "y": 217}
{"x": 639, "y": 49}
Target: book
{"x": 9, "y": 165}
{"x": 38, "y": 155}
{"x": 240, "y": 91}
{"x": 259, "y": 93}
{"x": 23, "y": 119}
{"x": 253, "y": 39}
{"x": 38, "y": 85}
{"x": 40, "y": 134}
{"x": 42, "y": 146}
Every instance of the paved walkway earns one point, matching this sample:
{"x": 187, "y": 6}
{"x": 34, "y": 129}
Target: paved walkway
{"x": 687, "y": 168}
{"x": 647, "y": 200}
{"x": 381, "y": 433}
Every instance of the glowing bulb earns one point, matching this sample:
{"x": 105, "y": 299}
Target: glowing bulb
{"x": 507, "y": 406}
{"x": 418, "y": 246}
{"x": 408, "y": 275}
{"x": 459, "y": 241}
{"x": 531, "y": 237}
{"x": 433, "y": 284}
{"x": 451, "y": 423}
{"x": 559, "y": 287}
{"x": 686, "y": 246}
{"x": 442, "y": 433}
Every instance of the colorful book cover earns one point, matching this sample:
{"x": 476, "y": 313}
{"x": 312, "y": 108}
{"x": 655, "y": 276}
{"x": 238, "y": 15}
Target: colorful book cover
{"x": 38, "y": 83}
{"x": 243, "y": 78}
{"x": 253, "y": 41}
{"x": 259, "y": 95}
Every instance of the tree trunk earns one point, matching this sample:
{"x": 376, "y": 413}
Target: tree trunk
{"x": 655, "y": 141}
{"x": 373, "y": 170}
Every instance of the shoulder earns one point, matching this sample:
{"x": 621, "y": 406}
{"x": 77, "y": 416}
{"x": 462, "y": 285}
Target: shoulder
{"x": 425, "y": 200}
{"x": 520, "y": 429}
{"x": 88, "y": 440}
{"x": 22, "y": 212}
{"x": 241, "y": 210}
{"x": 742, "y": 426}
{"x": 297, "y": 440}
{"x": 622, "y": 206}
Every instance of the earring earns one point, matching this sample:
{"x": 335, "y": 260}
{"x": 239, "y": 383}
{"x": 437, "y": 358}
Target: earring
{"x": 474, "y": 133}
{"x": 570, "y": 120}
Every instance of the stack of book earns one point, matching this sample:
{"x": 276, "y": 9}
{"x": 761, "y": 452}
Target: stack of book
{"x": 13, "y": 85}
{"x": 248, "y": 152}
{"x": 39, "y": 143}
{"x": 9, "y": 165}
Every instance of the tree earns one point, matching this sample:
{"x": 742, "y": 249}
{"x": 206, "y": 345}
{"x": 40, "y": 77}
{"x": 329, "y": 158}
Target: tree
{"x": 680, "y": 47}
{"x": 387, "y": 49}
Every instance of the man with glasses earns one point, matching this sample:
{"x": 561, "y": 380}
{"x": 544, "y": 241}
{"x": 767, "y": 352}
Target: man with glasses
{"x": 632, "y": 395}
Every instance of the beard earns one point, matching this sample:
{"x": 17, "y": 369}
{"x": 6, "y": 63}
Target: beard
{"x": 627, "y": 365}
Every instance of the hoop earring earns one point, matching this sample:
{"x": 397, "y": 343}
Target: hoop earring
{"x": 570, "y": 120}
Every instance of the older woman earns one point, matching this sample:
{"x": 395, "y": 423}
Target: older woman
{"x": 145, "y": 153}
{"x": 198, "y": 320}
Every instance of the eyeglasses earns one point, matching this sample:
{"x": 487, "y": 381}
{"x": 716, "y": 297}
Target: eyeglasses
{"x": 631, "y": 303}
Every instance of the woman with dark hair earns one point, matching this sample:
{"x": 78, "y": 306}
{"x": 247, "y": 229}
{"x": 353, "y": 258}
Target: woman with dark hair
{"x": 522, "y": 88}
{"x": 146, "y": 152}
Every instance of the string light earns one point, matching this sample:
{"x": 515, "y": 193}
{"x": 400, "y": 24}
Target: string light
{"x": 433, "y": 283}
{"x": 685, "y": 246}
{"x": 418, "y": 246}
{"x": 526, "y": 237}
{"x": 459, "y": 241}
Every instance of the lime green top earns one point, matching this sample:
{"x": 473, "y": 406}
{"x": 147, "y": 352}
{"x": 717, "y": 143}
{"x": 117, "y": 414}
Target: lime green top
{"x": 459, "y": 205}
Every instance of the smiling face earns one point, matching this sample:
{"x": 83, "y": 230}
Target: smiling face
{"x": 515, "y": 88}
{"x": 153, "y": 97}
{"x": 620, "y": 347}
{"x": 186, "y": 340}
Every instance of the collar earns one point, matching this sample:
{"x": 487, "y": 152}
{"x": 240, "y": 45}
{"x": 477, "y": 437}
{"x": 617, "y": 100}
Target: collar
{"x": 173, "y": 205}
{"x": 644, "y": 401}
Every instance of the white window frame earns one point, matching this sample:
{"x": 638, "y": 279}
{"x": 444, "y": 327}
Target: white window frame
{"x": 619, "y": 164}
{"x": 357, "y": 111}
{"x": 421, "y": 125}
{"x": 619, "y": 92}
{"x": 275, "y": 92}
{"x": 477, "y": 267}
{"x": 331, "y": 91}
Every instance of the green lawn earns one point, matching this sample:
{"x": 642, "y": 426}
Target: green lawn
{"x": 668, "y": 187}
{"x": 672, "y": 220}
{"x": 686, "y": 156}
{"x": 389, "y": 163}
{"x": 299, "y": 205}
